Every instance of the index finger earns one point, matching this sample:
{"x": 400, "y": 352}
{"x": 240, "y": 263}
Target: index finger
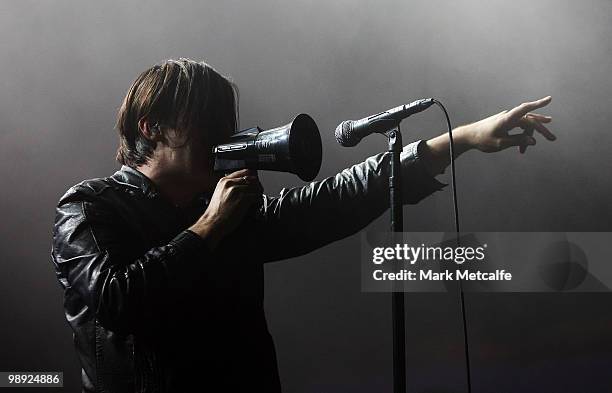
{"x": 526, "y": 107}
{"x": 239, "y": 173}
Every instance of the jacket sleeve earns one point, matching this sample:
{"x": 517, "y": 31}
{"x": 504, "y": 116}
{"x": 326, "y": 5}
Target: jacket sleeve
{"x": 305, "y": 218}
{"x": 98, "y": 275}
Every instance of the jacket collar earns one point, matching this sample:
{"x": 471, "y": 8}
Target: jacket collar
{"x": 133, "y": 178}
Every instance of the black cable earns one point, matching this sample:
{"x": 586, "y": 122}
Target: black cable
{"x": 456, "y": 209}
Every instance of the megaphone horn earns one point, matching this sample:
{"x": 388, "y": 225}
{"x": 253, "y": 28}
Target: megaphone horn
{"x": 294, "y": 147}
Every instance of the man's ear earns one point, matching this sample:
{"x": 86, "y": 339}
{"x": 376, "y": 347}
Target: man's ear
{"x": 150, "y": 131}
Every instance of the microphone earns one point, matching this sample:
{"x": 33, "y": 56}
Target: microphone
{"x": 351, "y": 132}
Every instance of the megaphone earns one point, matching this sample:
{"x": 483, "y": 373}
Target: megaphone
{"x": 294, "y": 147}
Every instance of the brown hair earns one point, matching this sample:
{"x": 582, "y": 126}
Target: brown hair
{"x": 183, "y": 95}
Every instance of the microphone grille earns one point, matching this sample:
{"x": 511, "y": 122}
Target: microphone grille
{"x": 344, "y": 134}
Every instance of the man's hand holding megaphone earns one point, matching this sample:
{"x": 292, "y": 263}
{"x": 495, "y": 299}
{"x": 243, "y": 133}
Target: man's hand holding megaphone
{"x": 233, "y": 196}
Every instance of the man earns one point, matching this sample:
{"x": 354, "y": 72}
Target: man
{"x": 161, "y": 263}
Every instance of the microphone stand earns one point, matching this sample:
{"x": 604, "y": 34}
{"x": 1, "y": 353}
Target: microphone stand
{"x": 397, "y": 225}
{"x": 395, "y": 147}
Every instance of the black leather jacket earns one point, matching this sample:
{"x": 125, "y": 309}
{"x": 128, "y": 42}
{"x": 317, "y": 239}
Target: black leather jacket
{"x": 153, "y": 310}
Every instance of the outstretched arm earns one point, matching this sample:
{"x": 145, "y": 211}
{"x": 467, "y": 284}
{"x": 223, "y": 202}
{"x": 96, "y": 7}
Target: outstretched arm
{"x": 489, "y": 135}
{"x": 302, "y": 219}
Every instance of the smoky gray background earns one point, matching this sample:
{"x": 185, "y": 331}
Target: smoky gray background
{"x": 66, "y": 66}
